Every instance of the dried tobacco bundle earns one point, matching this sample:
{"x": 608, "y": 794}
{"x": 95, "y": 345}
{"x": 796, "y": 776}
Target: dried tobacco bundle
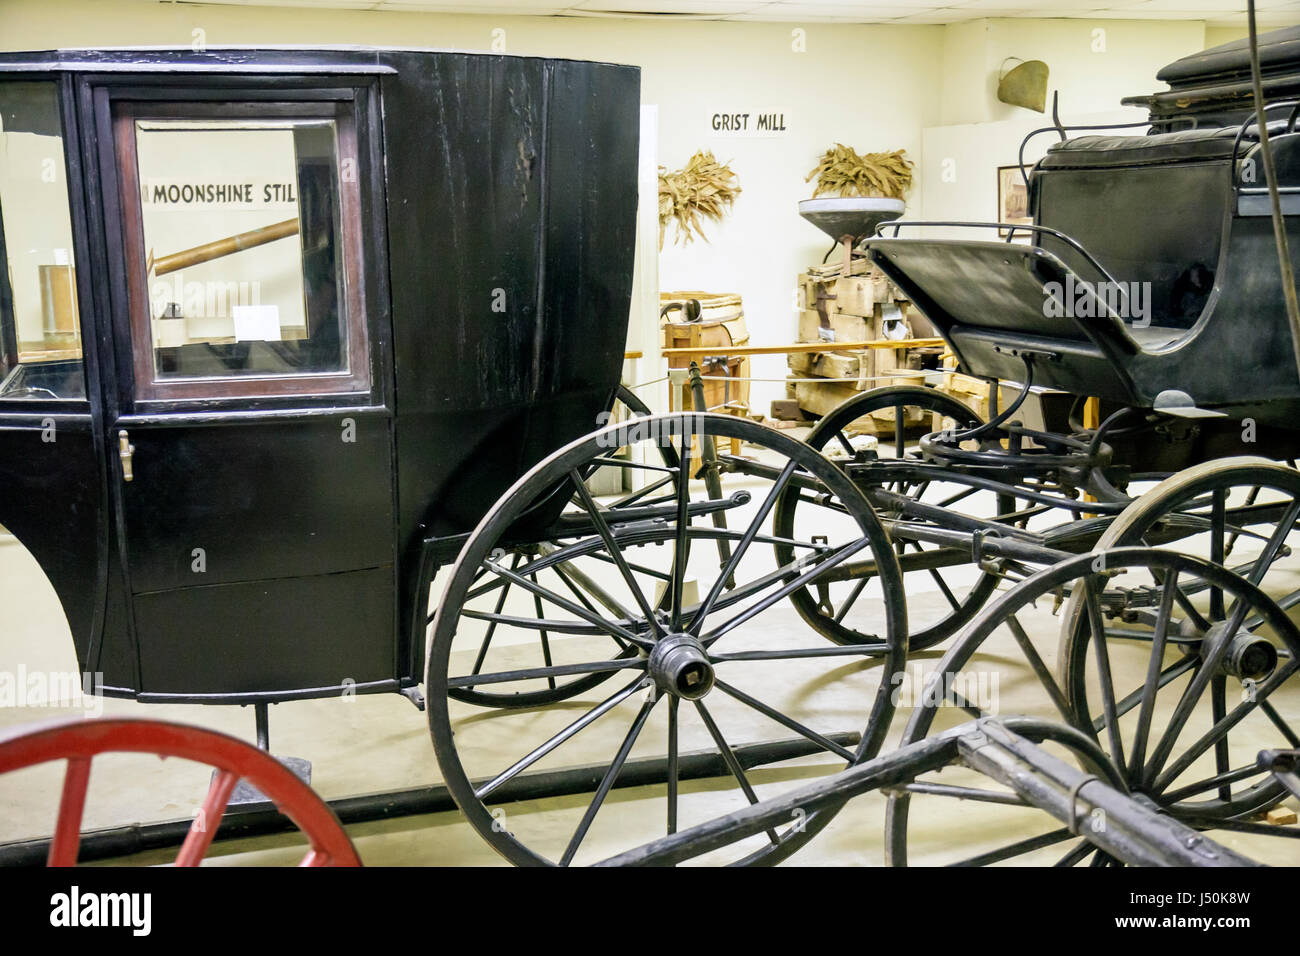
{"x": 842, "y": 172}
{"x": 702, "y": 189}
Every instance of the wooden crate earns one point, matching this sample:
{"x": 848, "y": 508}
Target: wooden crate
{"x": 852, "y": 295}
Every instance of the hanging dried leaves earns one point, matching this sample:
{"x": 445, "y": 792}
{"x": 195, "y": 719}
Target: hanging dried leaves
{"x": 842, "y": 172}
{"x": 703, "y": 189}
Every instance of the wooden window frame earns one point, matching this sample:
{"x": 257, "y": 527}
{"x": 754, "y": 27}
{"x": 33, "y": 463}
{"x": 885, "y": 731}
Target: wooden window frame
{"x": 147, "y": 386}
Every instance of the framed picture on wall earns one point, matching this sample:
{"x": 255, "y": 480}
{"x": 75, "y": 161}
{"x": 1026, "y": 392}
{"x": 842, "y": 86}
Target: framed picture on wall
{"x": 1013, "y": 200}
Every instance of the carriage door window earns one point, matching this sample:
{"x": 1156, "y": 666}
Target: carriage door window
{"x": 247, "y": 232}
{"x": 40, "y": 335}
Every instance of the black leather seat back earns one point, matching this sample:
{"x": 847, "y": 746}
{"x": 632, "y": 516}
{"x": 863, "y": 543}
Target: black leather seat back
{"x": 1150, "y": 209}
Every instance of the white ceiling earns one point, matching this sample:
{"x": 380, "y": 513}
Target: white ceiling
{"x": 1227, "y": 13}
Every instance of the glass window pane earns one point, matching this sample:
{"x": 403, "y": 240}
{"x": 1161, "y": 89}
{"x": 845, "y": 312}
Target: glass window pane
{"x": 240, "y": 222}
{"x": 40, "y": 332}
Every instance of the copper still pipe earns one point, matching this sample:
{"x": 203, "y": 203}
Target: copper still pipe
{"x": 224, "y": 247}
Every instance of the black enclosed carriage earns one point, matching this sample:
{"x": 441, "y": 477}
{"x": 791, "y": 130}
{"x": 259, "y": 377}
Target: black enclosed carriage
{"x": 273, "y": 319}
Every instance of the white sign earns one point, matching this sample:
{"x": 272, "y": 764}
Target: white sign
{"x": 764, "y": 123}
{"x": 256, "y": 323}
{"x": 206, "y": 193}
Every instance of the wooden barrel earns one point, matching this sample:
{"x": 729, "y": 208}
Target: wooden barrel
{"x": 722, "y": 324}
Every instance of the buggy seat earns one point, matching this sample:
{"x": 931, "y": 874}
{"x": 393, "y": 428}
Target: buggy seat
{"x": 1151, "y": 269}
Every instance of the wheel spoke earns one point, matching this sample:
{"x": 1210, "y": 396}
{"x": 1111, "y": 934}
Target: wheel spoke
{"x": 607, "y": 781}
{"x": 612, "y": 549}
{"x": 853, "y": 596}
{"x": 697, "y": 622}
{"x": 501, "y": 601}
{"x": 1271, "y": 713}
{"x": 1018, "y": 848}
{"x": 1193, "y": 691}
{"x": 1154, "y": 672}
{"x": 546, "y": 641}
{"x": 1218, "y": 710}
{"x": 829, "y": 650}
{"x": 820, "y": 567}
{"x": 1210, "y": 783}
{"x": 577, "y": 610}
{"x": 1102, "y": 653}
{"x": 943, "y": 586}
{"x": 953, "y": 499}
{"x": 72, "y": 804}
{"x": 733, "y": 764}
{"x": 847, "y": 445}
{"x": 550, "y": 672}
{"x": 1223, "y": 725}
{"x": 961, "y": 793}
{"x": 1217, "y": 522}
{"x": 672, "y": 765}
{"x": 582, "y": 723}
{"x": 1076, "y": 855}
{"x": 636, "y": 496}
{"x": 1040, "y": 668}
{"x": 205, "y": 825}
{"x": 785, "y": 721}
{"x": 681, "y": 542}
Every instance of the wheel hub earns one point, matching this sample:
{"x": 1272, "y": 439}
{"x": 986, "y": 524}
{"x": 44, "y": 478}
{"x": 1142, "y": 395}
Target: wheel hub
{"x": 680, "y": 666}
{"x": 1250, "y": 657}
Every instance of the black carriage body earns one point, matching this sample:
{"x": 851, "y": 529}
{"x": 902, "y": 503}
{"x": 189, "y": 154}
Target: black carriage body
{"x": 1150, "y": 268}
{"x": 265, "y": 533}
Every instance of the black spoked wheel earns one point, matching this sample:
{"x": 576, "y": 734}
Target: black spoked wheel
{"x": 713, "y": 694}
{"x": 1240, "y": 514}
{"x": 943, "y": 587}
{"x": 626, "y": 406}
{"x": 1001, "y": 664}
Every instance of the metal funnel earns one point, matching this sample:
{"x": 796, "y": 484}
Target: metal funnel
{"x": 850, "y": 217}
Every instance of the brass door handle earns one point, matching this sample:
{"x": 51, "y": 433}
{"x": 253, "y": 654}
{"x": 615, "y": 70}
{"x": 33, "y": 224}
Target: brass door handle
{"x": 126, "y": 451}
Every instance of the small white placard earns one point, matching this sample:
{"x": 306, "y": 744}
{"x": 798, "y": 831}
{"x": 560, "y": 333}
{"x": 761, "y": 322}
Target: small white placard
{"x": 256, "y": 323}
{"x": 762, "y": 122}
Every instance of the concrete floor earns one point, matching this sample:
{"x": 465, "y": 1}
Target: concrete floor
{"x": 368, "y": 744}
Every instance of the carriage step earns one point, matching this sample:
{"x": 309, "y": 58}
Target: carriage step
{"x": 245, "y": 794}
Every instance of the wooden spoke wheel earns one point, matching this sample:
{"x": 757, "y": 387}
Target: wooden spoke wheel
{"x": 79, "y": 742}
{"x": 1240, "y": 514}
{"x": 713, "y": 676}
{"x": 1000, "y": 665}
{"x": 944, "y": 589}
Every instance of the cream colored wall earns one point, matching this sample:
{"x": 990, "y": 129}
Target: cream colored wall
{"x": 1215, "y": 36}
{"x": 1092, "y": 70}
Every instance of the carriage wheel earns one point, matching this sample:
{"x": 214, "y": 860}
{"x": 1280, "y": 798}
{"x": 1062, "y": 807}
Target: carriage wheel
{"x": 934, "y": 615}
{"x": 1143, "y": 735}
{"x": 705, "y": 678}
{"x": 1241, "y": 514}
{"x": 80, "y": 741}
{"x": 626, "y": 406}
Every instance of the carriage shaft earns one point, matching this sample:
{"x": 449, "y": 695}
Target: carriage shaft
{"x": 1124, "y": 827}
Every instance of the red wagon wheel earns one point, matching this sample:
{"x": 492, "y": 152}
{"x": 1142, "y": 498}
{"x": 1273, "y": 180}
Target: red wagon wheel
{"x": 80, "y": 741}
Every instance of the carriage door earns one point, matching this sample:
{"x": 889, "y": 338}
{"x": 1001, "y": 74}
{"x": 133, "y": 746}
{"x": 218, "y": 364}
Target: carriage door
{"x": 252, "y": 448}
